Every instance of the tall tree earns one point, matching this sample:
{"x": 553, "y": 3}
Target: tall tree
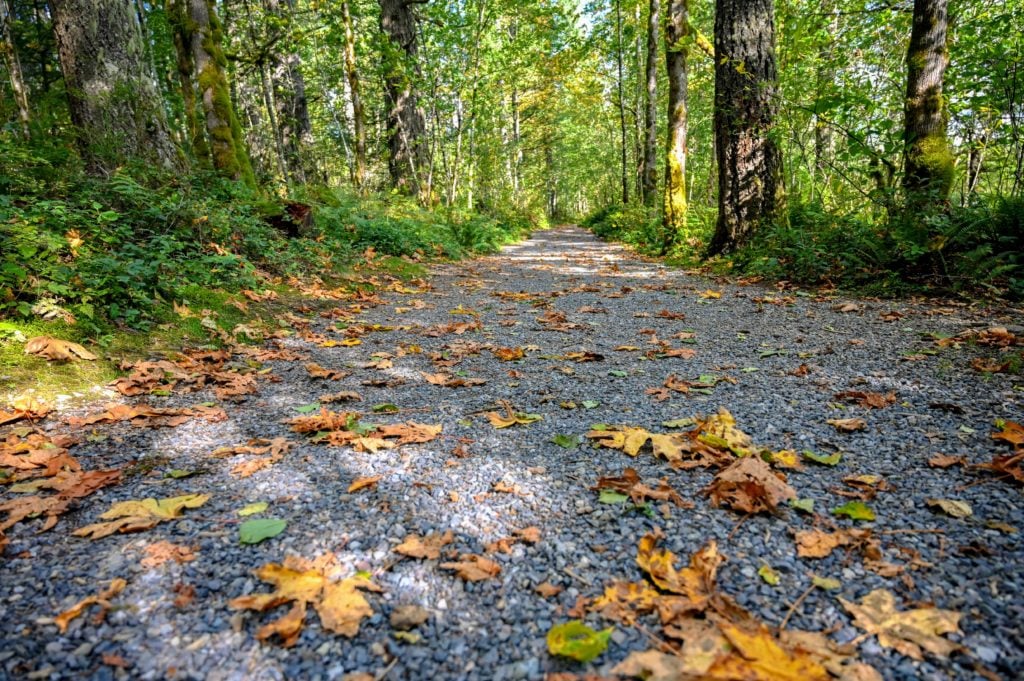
{"x": 676, "y": 31}
{"x": 177, "y": 13}
{"x": 355, "y": 93}
{"x": 292, "y": 106}
{"x": 13, "y": 65}
{"x": 227, "y": 144}
{"x": 115, "y": 105}
{"x": 928, "y": 161}
{"x": 750, "y": 179}
{"x": 624, "y": 156}
{"x": 649, "y": 173}
{"x": 405, "y": 124}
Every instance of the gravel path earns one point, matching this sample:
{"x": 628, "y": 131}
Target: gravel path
{"x": 788, "y": 355}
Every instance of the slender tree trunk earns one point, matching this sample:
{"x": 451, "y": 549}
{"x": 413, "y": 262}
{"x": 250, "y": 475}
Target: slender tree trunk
{"x": 227, "y": 144}
{"x": 650, "y": 173}
{"x": 291, "y": 106}
{"x": 358, "y": 117}
{"x": 405, "y": 124}
{"x": 676, "y": 53}
{"x": 177, "y": 14}
{"x": 638, "y": 99}
{"x": 622, "y": 103}
{"x": 928, "y": 161}
{"x": 113, "y": 98}
{"x": 13, "y": 64}
{"x": 824, "y": 140}
{"x": 750, "y": 178}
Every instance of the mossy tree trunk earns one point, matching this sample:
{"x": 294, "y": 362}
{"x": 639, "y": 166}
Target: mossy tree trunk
{"x": 355, "y": 94}
{"x": 624, "y": 152}
{"x": 292, "y": 106}
{"x": 13, "y": 65}
{"x": 113, "y": 99}
{"x": 676, "y": 32}
{"x": 928, "y": 161}
{"x": 181, "y": 33}
{"x": 750, "y": 179}
{"x": 649, "y": 173}
{"x": 405, "y": 124}
{"x": 227, "y": 143}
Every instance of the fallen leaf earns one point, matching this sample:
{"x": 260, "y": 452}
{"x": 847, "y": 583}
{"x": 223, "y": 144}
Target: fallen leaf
{"x": 473, "y": 568}
{"x": 769, "y": 575}
{"x": 696, "y": 582}
{"x": 868, "y": 400}
{"x": 855, "y": 510}
{"x": 629, "y": 483}
{"x": 848, "y": 425}
{"x": 409, "y": 616}
{"x": 575, "y": 640}
{"x": 945, "y": 461}
{"x": 511, "y": 417}
{"x": 56, "y": 349}
{"x": 253, "y": 508}
{"x": 134, "y": 516}
{"x": 362, "y": 483}
{"x": 951, "y": 507}
{"x": 548, "y": 590}
{"x": 824, "y": 459}
{"x": 160, "y": 552}
{"x": 428, "y": 547}
{"x": 816, "y": 543}
{"x": 749, "y": 485}
{"x": 759, "y": 656}
{"x": 102, "y": 599}
{"x": 907, "y": 631}
{"x": 258, "y": 529}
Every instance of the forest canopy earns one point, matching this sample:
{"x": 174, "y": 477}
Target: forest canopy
{"x": 852, "y": 142}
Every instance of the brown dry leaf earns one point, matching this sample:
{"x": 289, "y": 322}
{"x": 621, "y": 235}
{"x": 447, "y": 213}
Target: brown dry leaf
{"x": 508, "y": 354}
{"x": 819, "y": 544}
{"x": 758, "y": 656}
{"x": 450, "y": 381}
{"x": 428, "y": 547}
{"x": 838, "y": 659}
{"x": 629, "y": 483}
{"x": 749, "y": 485}
{"x": 147, "y": 377}
{"x": 68, "y": 485}
{"x": 25, "y": 407}
{"x": 343, "y": 396}
{"x": 102, "y": 599}
{"x": 473, "y": 568}
{"x": 340, "y": 603}
{"x": 363, "y": 483}
{"x": 317, "y": 371}
{"x": 55, "y": 349}
{"x": 626, "y": 601}
{"x": 629, "y": 440}
{"x": 848, "y": 425}
{"x": 946, "y": 460}
{"x": 548, "y": 590}
{"x": 528, "y": 535}
{"x": 275, "y": 449}
{"x": 696, "y": 582}
{"x": 134, "y": 516}
{"x": 160, "y": 552}
{"x": 1012, "y": 433}
{"x": 510, "y": 417}
{"x": 908, "y": 631}
{"x": 868, "y": 400}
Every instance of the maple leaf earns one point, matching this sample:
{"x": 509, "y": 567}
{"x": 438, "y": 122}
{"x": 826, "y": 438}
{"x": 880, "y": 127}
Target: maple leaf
{"x": 275, "y": 448}
{"x": 696, "y": 582}
{"x": 339, "y": 603}
{"x": 317, "y": 371}
{"x": 945, "y": 461}
{"x": 69, "y": 486}
{"x": 629, "y": 483}
{"x": 758, "y": 656}
{"x": 134, "y": 516}
{"x": 473, "y": 568}
{"x": 25, "y": 407}
{"x": 362, "y": 483}
{"x": 907, "y": 631}
{"x": 749, "y": 485}
{"x": 102, "y": 599}
{"x": 55, "y": 349}
{"x": 428, "y": 547}
{"x": 868, "y": 400}
{"x": 625, "y": 601}
{"x": 1012, "y": 433}
{"x": 147, "y": 377}
{"x": 508, "y": 354}
{"x": 818, "y": 544}
{"x": 720, "y": 431}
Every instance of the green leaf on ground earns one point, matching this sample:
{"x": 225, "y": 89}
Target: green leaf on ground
{"x": 577, "y": 641}
{"x": 256, "y": 530}
{"x": 678, "y": 423}
{"x": 566, "y": 441}
{"x": 178, "y": 473}
{"x": 855, "y": 510}
{"x": 590, "y": 404}
{"x": 823, "y": 459}
{"x": 769, "y": 575}
{"x": 826, "y": 583}
{"x": 610, "y": 496}
{"x": 618, "y": 373}
{"x": 805, "y": 505}
{"x": 385, "y": 408}
{"x": 308, "y": 408}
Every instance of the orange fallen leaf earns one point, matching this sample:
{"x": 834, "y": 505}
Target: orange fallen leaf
{"x": 362, "y": 483}
{"x": 473, "y": 568}
{"x": 428, "y": 547}
{"x": 55, "y": 349}
{"x": 102, "y": 599}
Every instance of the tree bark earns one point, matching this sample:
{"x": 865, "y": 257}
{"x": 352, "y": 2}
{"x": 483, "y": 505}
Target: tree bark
{"x": 676, "y": 53}
{"x": 13, "y": 64}
{"x": 750, "y": 179}
{"x": 928, "y": 161}
{"x": 177, "y": 14}
{"x": 405, "y": 123}
{"x": 292, "y": 106}
{"x": 355, "y": 93}
{"x": 649, "y": 173}
{"x": 622, "y": 103}
{"x": 115, "y": 105}
{"x": 227, "y": 144}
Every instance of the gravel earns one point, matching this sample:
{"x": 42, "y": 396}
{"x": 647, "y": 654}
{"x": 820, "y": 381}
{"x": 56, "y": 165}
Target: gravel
{"x": 495, "y": 629}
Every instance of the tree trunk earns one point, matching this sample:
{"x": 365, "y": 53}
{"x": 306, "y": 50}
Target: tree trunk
{"x": 750, "y": 178}
{"x": 928, "y": 161}
{"x": 352, "y": 74}
{"x": 649, "y": 174}
{"x": 622, "y": 103}
{"x": 676, "y": 31}
{"x": 14, "y": 66}
{"x": 824, "y": 140}
{"x": 227, "y": 144}
{"x": 405, "y": 124}
{"x": 292, "y": 107}
{"x": 113, "y": 98}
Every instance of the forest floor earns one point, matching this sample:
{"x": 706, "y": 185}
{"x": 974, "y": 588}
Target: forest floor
{"x": 423, "y": 458}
